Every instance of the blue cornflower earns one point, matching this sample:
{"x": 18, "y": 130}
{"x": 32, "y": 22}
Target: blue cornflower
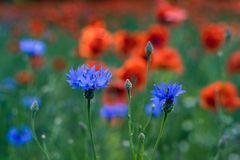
{"x": 19, "y": 136}
{"x": 165, "y": 95}
{"x": 32, "y": 47}
{"x": 27, "y": 101}
{"x": 9, "y": 83}
{"x": 88, "y": 78}
{"x": 155, "y": 112}
{"x": 112, "y": 111}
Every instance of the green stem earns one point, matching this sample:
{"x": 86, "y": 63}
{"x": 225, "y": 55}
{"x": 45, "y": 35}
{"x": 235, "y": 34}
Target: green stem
{"x": 90, "y": 129}
{"x": 145, "y": 90}
{"x": 43, "y": 148}
{"x": 146, "y": 85}
{"x": 221, "y": 58}
{"x": 46, "y": 150}
{"x": 141, "y": 144}
{"x": 149, "y": 120}
{"x": 130, "y": 132}
{"x": 217, "y": 156}
{"x": 142, "y": 151}
{"x": 159, "y": 135}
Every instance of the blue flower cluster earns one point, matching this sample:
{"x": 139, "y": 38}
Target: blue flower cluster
{"x": 27, "y": 101}
{"x": 19, "y": 136}
{"x": 88, "y": 78}
{"x": 32, "y": 47}
{"x": 9, "y": 83}
{"x": 165, "y": 95}
{"x": 112, "y": 111}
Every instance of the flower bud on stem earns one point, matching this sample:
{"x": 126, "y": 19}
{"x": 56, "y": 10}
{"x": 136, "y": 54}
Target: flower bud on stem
{"x": 43, "y": 147}
{"x": 141, "y": 138}
{"x": 128, "y": 86}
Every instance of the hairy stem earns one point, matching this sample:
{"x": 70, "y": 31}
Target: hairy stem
{"x": 42, "y": 147}
{"x": 130, "y": 132}
{"x": 159, "y": 135}
{"x": 90, "y": 129}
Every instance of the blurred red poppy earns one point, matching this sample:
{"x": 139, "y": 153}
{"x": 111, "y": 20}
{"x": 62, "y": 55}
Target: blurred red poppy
{"x": 37, "y": 27}
{"x": 170, "y": 14}
{"x": 134, "y": 69}
{"x": 94, "y": 40}
{"x": 37, "y": 61}
{"x": 115, "y": 93}
{"x": 233, "y": 63}
{"x": 13, "y": 46}
{"x": 59, "y": 64}
{"x": 167, "y": 59}
{"x": 213, "y": 36}
{"x": 220, "y": 94}
{"x": 139, "y": 49}
{"x": 125, "y": 42}
{"x": 158, "y": 36}
{"x": 97, "y": 64}
{"x": 24, "y": 77}
{"x": 116, "y": 121}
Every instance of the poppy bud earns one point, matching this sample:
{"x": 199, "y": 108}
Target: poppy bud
{"x": 149, "y": 49}
{"x": 128, "y": 84}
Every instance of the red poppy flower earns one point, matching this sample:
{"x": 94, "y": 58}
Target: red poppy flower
{"x": 59, "y": 64}
{"x": 23, "y": 77}
{"x": 134, "y": 69}
{"x": 94, "y": 40}
{"x": 37, "y": 27}
{"x": 97, "y": 64}
{"x": 13, "y": 46}
{"x": 170, "y": 14}
{"x": 139, "y": 49}
{"x": 125, "y": 42}
{"x": 167, "y": 59}
{"x": 115, "y": 93}
{"x": 233, "y": 63}
{"x": 37, "y": 61}
{"x": 213, "y": 36}
{"x": 116, "y": 121}
{"x": 158, "y": 36}
{"x": 220, "y": 93}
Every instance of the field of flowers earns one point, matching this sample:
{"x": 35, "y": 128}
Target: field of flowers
{"x": 120, "y": 80}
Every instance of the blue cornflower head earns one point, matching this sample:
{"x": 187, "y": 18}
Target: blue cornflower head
{"x": 32, "y": 47}
{"x": 9, "y": 83}
{"x": 88, "y": 78}
{"x": 165, "y": 95}
{"x": 27, "y": 101}
{"x": 112, "y": 111}
{"x": 19, "y": 136}
{"x": 153, "y": 109}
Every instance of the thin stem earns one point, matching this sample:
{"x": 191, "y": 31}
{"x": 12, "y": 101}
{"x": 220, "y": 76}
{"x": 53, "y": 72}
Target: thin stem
{"x": 221, "y": 59}
{"x": 130, "y": 132}
{"x": 217, "y": 155}
{"x": 159, "y": 135}
{"x": 147, "y": 79}
{"x": 90, "y": 129}
{"x": 142, "y": 151}
{"x": 46, "y": 150}
{"x": 141, "y": 144}
{"x": 149, "y": 120}
{"x": 43, "y": 148}
{"x": 146, "y": 88}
